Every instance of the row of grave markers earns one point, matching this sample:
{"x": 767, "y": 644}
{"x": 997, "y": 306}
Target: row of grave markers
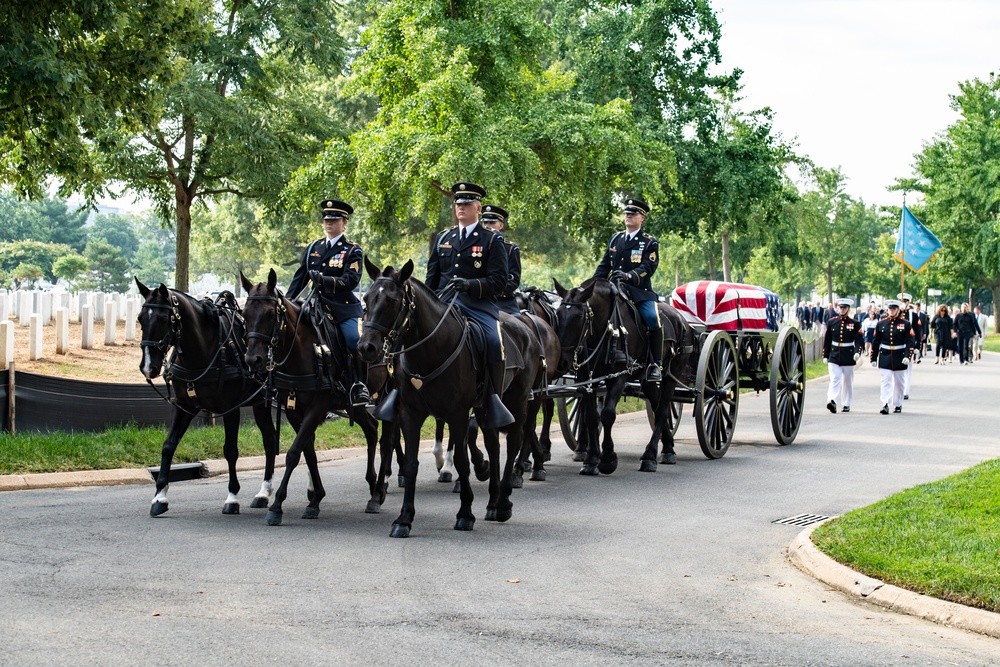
{"x": 35, "y": 310}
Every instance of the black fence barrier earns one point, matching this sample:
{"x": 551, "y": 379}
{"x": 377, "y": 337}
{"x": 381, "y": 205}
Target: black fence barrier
{"x": 43, "y": 404}
{"x": 4, "y": 401}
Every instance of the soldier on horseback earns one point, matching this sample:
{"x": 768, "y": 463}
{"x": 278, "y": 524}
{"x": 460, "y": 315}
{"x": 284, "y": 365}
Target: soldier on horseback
{"x": 472, "y": 261}
{"x": 630, "y": 260}
{"x": 495, "y": 219}
{"x": 333, "y": 264}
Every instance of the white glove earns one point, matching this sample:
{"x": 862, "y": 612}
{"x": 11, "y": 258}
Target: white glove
{"x": 906, "y": 361}
{"x": 825, "y": 360}
{"x": 856, "y": 356}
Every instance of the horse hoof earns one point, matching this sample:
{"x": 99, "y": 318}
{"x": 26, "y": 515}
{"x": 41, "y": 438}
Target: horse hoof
{"x": 259, "y": 503}
{"x": 401, "y": 481}
{"x": 273, "y": 518}
{"x": 309, "y": 495}
{"x": 399, "y": 530}
{"x": 517, "y": 482}
{"x": 465, "y": 523}
{"x": 647, "y": 466}
{"x": 537, "y": 476}
{"x": 444, "y": 477}
{"x": 491, "y": 514}
{"x": 526, "y": 465}
{"x": 231, "y": 508}
{"x": 311, "y": 513}
{"x": 504, "y": 514}
{"x": 373, "y": 507}
{"x": 608, "y": 467}
{"x": 157, "y": 508}
{"x": 483, "y": 472}
{"x": 579, "y": 457}
{"x": 668, "y": 458}
{"x": 588, "y": 470}
{"x": 457, "y": 488}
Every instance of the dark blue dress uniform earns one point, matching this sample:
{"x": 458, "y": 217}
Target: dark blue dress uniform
{"x": 892, "y": 342}
{"x": 506, "y": 300}
{"x": 634, "y": 260}
{"x": 336, "y": 267}
{"x": 478, "y": 263}
{"x": 844, "y": 338}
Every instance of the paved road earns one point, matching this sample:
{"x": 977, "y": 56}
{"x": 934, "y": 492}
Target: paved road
{"x": 680, "y": 567}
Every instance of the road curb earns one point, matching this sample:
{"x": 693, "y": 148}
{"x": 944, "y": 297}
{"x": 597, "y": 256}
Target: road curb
{"x": 804, "y": 555}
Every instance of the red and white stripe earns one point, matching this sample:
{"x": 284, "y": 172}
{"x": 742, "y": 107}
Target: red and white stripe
{"x": 722, "y": 306}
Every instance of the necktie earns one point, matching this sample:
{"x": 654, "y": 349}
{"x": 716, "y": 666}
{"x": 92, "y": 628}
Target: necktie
{"x": 463, "y": 234}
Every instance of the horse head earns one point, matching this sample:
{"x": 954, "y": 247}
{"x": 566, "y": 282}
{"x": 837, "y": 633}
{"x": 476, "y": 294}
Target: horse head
{"x": 387, "y": 304}
{"x": 159, "y": 322}
{"x": 574, "y": 323}
{"x": 265, "y": 315}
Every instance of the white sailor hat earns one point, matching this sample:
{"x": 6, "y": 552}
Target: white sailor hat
{"x": 893, "y": 303}
{"x": 845, "y": 302}
{"x": 903, "y": 296}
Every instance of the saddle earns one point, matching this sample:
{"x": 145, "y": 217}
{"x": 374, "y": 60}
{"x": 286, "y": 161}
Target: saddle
{"x": 513, "y": 360}
{"x": 331, "y": 346}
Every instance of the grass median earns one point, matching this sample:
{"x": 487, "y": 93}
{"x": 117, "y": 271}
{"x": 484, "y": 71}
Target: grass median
{"x": 938, "y": 539}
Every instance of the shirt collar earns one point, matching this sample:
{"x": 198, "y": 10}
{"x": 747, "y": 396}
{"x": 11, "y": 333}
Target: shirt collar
{"x": 332, "y": 242}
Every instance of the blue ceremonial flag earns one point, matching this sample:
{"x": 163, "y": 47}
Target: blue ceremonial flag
{"x": 916, "y": 245}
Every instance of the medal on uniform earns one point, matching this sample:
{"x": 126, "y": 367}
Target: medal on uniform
{"x": 478, "y": 264}
{"x": 636, "y": 256}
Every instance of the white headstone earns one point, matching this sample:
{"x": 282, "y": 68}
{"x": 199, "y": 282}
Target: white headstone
{"x": 6, "y": 344}
{"x": 131, "y": 307}
{"x": 4, "y": 306}
{"x": 35, "y": 337}
{"x": 62, "y": 330}
{"x": 87, "y": 327}
{"x": 99, "y": 299}
{"x": 82, "y": 299}
{"x": 110, "y": 322}
{"x": 24, "y": 308}
{"x": 46, "y": 308}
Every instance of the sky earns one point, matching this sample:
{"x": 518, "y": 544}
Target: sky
{"x": 859, "y": 84}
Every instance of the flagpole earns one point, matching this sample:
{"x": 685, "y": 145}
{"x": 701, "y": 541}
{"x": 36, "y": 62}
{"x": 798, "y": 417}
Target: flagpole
{"x": 902, "y": 219}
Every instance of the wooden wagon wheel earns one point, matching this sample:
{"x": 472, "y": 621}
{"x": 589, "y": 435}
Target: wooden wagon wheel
{"x": 717, "y": 394}
{"x": 675, "y": 416}
{"x": 788, "y": 385}
{"x": 570, "y": 415}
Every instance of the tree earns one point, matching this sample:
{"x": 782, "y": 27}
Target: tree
{"x": 25, "y": 274}
{"x": 34, "y": 253}
{"x": 463, "y": 94}
{"x": 109, "y": 269}
{"x": 70, "y": 268}
{"x": 958, "y": 176}
{"x": 240, "y": 116}
{"x": 70, "y": 70}
{"x": 118, "y": 230}
{"x": 225, "y": 242}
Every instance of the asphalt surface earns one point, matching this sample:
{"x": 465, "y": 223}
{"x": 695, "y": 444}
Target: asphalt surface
{"x": 679, "y": 567}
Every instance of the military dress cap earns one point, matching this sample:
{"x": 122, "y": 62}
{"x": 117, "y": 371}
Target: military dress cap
{"x": 903, "y": 296}
{"x": 494, "y": 212}
{"x": 334, "y": 208}
{"x": 636, "y": 206}
{"x": 467, "y": 192}
{"x": 893, "y": 303}
{"x": 845, "y": 302}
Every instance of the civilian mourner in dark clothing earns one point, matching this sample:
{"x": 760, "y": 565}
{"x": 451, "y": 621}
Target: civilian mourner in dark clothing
{"x": 967, "y": 328}
{"x": 942, "y": 327}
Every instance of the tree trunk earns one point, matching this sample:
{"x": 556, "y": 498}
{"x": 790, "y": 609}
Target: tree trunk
{"x": 181, "y": 275}
{"x": 995, "y": 290}
{"x": 727, "y": 269}
{"x": 829, "y": 281}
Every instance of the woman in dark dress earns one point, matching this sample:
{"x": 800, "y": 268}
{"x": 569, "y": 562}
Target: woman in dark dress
{"x": 942, "y": 326}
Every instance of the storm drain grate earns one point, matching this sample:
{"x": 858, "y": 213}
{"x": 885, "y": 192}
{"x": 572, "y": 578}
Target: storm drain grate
{"x": 802, "y": 519}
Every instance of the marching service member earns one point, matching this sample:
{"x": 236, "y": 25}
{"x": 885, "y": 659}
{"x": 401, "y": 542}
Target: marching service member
{"x": 842, "y": 345}
{"x": 892, "y": 347}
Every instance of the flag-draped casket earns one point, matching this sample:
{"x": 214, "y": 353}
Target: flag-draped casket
{"x": 726, "y": 306}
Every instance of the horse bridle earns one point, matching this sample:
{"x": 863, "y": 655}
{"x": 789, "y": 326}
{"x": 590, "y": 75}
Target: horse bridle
{"x": 399, "y": 326}
{"x": 173, "y": 333}
{"x": 585, "y": 330}
{"x": 277, "y": 330}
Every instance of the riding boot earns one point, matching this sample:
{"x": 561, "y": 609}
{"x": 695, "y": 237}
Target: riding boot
{"x": 655, "y": 353}
{"x": 359, "y": 391}
{"x": 497, "y": 414}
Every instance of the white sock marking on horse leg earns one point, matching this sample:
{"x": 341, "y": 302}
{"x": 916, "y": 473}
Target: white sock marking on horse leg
{"x": 438, "y": 454}
{"x": 231, "y": 499}
{"x": 265, "y": 490}
{"x": 160, "y": 497}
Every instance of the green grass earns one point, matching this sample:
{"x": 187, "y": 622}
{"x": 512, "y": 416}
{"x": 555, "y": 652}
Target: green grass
{"x": 939, "y": 539}
{"x": 135, "y": 447}
{"x": 992, "y": 343}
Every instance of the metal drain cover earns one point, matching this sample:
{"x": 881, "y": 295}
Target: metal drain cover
{"x": 802, "y": 519}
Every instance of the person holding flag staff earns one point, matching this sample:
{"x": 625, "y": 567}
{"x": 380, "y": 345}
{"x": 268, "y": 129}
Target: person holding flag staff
{"x": 892, "y": 347}
{"x": 842, "y": 345}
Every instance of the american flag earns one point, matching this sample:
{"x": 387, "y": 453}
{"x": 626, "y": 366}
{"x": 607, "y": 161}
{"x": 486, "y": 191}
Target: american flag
{"x": 727, "y": 306}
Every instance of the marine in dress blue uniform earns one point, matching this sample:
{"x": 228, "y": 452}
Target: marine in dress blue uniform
{"x": 472, "y": 260}
{"x": 892, "y": 347}
{"x": 333, "y": 265}
{"x": 842, "y": 346}
{"x": 630, "y": 260}
{"x": 494, "y": 218}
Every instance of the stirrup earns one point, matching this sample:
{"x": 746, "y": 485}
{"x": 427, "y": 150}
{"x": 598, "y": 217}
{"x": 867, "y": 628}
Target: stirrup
{"x": 497, "y": 414}
{"x": 653, "y": 373}
{"x": 360, "y": 395}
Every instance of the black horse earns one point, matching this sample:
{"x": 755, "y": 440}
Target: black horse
{"x": 436, "y": 374}
{"x": 603, "y": 341}
{"x": 289, "y": 350}
{"x": 204, "y": 372}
